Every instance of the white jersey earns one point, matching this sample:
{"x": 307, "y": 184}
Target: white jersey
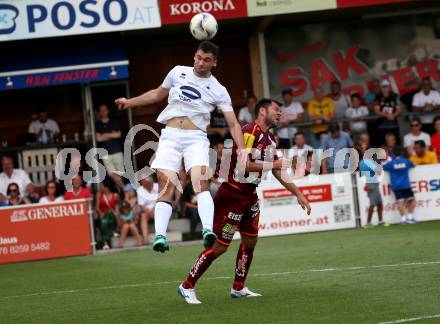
{"x": 193, "y": 97}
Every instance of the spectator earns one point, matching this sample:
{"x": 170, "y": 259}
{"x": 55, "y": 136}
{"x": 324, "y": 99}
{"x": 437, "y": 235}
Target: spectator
{"x": 147, "y": 195}
{"x": 52, "y": 193}
{"x": 18, "y": 176}
{"x": 301, "y": 155}
{"x": 14, "y": 198}
{"x": 357, "y": 113}
{"x": 45, "y": 129}
{"x": 106, "y": 205}
{"x": 290, "y": 111}
{"x": 387, "y": 108}
{"x": 415, "y": 135}
{"x": 246, "y": 114}
{"x": 401, "y": 186}
{"x": 218, "y": 127}
{"x": 127, "y": 219}
{"x": 370, "y": 97}
{"x": 131, "y": 196}
{"x": 390, "y": 144}
{"x": 336, "y": 140}
{"x": 422, "y": 156}
{"x": 426, "y": 101}
{"x": 78, "y": 191}
{"x": 321, "y": 111}
{"x": 435, "y": 138}
{"x": 108, "y": 136}
{"x": 341, "y": 101}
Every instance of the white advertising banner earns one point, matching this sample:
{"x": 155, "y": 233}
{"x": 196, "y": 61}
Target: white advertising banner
{"x": 331, "y": 199}
{"x": 25, "y": 19}
{"x": 425, "y": 183}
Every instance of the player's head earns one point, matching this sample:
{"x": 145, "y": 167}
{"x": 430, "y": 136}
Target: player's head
{"x": 268, "y": 111}
{"x": 205, "y": 58}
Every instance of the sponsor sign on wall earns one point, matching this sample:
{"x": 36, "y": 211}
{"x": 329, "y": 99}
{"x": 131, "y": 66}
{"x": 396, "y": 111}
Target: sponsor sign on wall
{"x": 331, "y": 199}
{"x": 25, "y": 19}
{"x": 425, "y": 182}
{"x": 360, "y": 3}
{"x": 44, "y": 231}
{"x": 274, "y": 7}
{"x": 181, "y": 11}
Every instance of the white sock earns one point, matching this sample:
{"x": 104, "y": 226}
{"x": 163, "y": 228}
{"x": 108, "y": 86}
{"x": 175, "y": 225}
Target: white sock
{"x": 205, "y": 206}
{"x": 404, "y": 218}
{"x": 162, "y": 215}
{"x": 410, "y": 216}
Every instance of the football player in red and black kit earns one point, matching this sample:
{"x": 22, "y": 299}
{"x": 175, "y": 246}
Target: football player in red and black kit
{"x": 236, "y": 202}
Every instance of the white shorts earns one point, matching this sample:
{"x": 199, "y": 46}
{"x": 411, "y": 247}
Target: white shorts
{"x": 175, "y": 143}
{"x": 114, "y": 162}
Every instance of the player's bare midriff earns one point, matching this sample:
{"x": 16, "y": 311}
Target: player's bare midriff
{"x": 181, "y": 122}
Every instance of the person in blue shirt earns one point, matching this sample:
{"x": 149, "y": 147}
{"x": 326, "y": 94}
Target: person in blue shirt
{"x": 336, "y": 140}
{"x": 400, "y": 184}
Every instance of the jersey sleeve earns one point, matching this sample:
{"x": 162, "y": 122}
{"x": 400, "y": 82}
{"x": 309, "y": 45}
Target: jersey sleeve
{"x": 225, "y": 103}
{"x": 168, "y": 82}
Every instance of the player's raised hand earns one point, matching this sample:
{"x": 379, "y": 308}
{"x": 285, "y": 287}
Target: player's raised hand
{"x": 303, "y": 202}
{"x": 122, "y": 103}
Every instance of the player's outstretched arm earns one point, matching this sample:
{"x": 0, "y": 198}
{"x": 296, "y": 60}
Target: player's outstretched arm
{"x": 235, "y": 128}
{"x": 302, "y": 201}
{"x": 145, "y": 99}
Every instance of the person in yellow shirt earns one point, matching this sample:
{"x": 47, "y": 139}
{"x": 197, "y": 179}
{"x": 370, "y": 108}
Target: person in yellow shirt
{"x": 423, "y": 156}
{"x": 321, "y": 110}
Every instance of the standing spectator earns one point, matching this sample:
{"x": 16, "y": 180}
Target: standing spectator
{"x": 106, "y": 203}
{"x": 18, "y": 176}
{"x": 357, "y": 113}
{"x": 290, "y": 111}
{"x": 341, "y": 101}
{"x": 127, "y": 219}
{"x": 45, "y": 129}
{"x": 426, "y": 101}
{"x": 246, "y": 114}
{"x": 321, "y": 111}
{"x": 108, "y": 136}
{"x": 421, "y": 155}
{"x": 401, "y": 186}
{"x": 336, "y": 140}
{"x": 390, "y": 144}
{"x": 435, "y": 138}
{"x": 78, "y": 190}
{"x": 387, "y": 108}
{"x": 370, "y": 97}
{"x": 52, "y": 193}
{"x": 14, "y": 198}
{"x": 415, "y": 135}
{"x": 147, "y": 195}
{"x": 301, "y": 155}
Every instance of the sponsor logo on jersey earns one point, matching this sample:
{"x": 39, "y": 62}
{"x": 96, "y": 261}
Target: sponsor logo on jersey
{"x": 235, "y": 217}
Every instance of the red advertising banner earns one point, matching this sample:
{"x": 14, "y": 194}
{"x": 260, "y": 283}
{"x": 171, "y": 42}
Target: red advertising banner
{"x": 181, "y": 11}
{"x": 313, "y": 194}
{"x": 44, "y": 231}
{"x": 362, "y": 3}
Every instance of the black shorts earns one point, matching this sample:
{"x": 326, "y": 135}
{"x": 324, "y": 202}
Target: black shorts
{"x": 404, "y": 194}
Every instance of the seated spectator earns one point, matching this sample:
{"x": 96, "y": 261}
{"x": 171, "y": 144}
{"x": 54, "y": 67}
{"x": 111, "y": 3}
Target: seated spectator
{"x": 78, "y": 190}
{"x": 108, "y": 136}
{"x": 387, "y": 108}
{"x": 127, "y": 218}
{"x": 218, "y": 126}
{"x": 301, "y": 155}
{"x": 131, "y": 196}
{"x": 246, "y": 114}
{"x": 106, "y": 202}
{"x": 416, "y": 134}
{"x": 357, "y": 113}
{"x": 14, "y": 198}
{"x": 390, "y": 144}
{"x": 147, "y": 195}
{"x": 422, "y": 155}
{"x": 370, "y": 97}
{"x": 321, "y": 111}
{"x": 45, "y": 129}
{"x": 341, "y": 101}
{"x": 336, "y": 140}
{"x": 290, "y": 112}
{"x": 18, "y": 176}
{"x": 435, "y": 138}
{"x": 52, "y": 193}
{"x": 426, "y": 101}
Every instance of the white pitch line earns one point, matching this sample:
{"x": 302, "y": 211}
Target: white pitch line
{"x": 405, "y": 320}
{"x": 271, "y": 274}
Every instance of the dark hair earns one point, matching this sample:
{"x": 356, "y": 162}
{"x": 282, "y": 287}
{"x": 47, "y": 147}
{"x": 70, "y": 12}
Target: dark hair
{"x": 286, "y": 91}
{"x": 356, "y": 95}
{"x": 436, "y": 119}
{"x": 398, "y": 151}
{"x": 299, "y": 133}
{"x": 426, "y": 79}
{"x": 208, "y": 47}
{"x": 251, "y": 97}
{"x": 8, "y": 191}
{"x": 420, "y": 142}
{"x": 262, "y": 104}
{"x": 57, "y": 187}
{"x": 334, "y": 127}
{"x": 110, "y": 184}
{"x": 415, "y": 119}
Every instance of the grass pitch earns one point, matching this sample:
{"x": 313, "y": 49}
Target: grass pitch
{"x": 354, "y": 276}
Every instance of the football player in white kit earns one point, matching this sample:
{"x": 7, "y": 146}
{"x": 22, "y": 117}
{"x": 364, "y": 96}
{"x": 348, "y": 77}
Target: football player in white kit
{"x": 193, "y": 93}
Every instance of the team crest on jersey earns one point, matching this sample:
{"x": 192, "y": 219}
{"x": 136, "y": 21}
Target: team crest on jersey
{"x": 182, "y": 75}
